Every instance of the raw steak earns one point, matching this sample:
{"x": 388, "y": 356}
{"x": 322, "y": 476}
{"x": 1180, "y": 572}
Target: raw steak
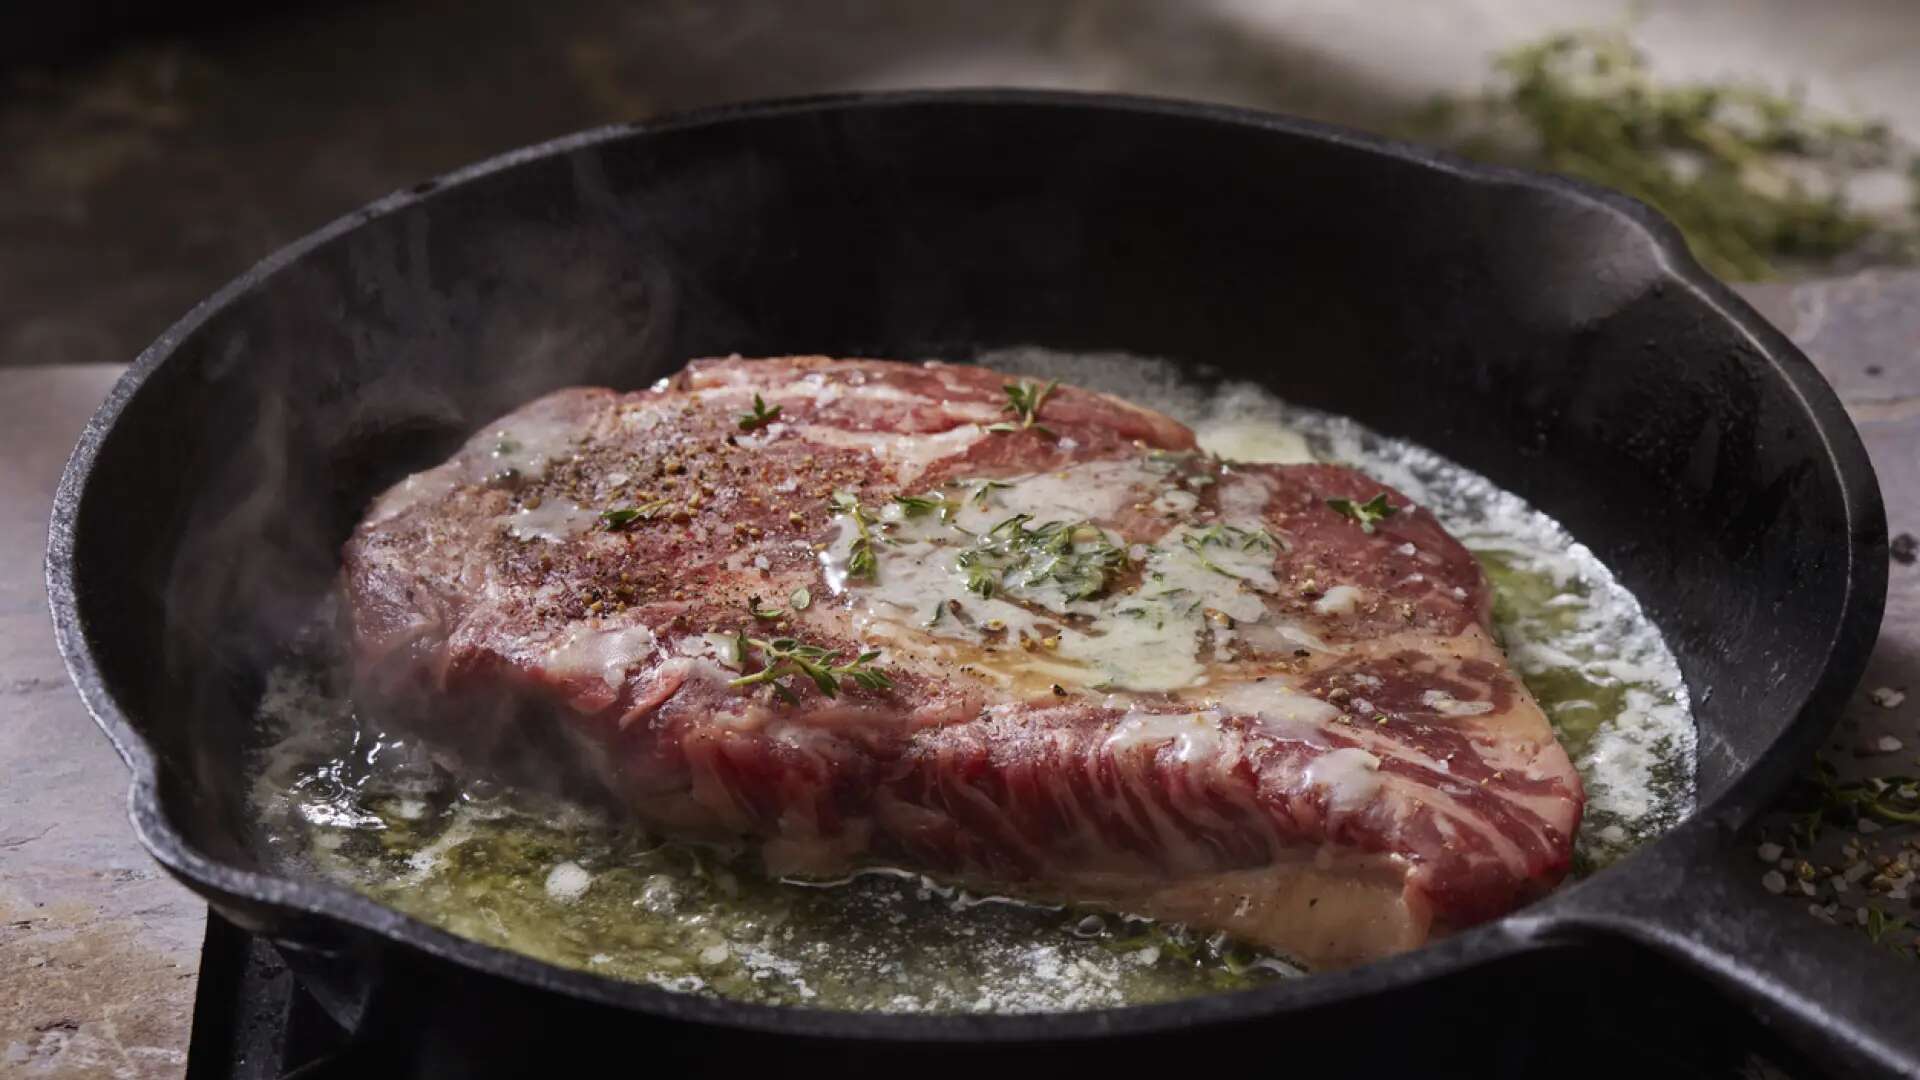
{"x": 865, "y": 612}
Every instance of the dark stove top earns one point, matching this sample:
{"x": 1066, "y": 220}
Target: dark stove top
{"x": 1621, "y": 1014}
{"x": 251, "y": 1019}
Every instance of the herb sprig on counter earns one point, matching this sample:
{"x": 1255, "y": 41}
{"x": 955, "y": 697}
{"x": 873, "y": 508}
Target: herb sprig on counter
{"x": 1891, "y": 800}
{"x": 1753, "y": 178}
{"x": 783, "y": 657}
{"x": 1365, "y": 514}
{"x": 760, "y": 416}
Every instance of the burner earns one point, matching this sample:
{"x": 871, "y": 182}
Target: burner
{"x": 1580, "y": 1011}
{"x": 251, "y": 1019}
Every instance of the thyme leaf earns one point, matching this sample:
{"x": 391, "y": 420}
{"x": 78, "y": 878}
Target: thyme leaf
{"x": 861, "y": 562}
{"x": 1366, "y": 514}
{"x": 986, "y": 488}
{"x": 914, "y": 506}
{"x": 784, "y": 658}
{"x": 760, "y": 416}
{"x": 615, "y": 520}
{"x": 1878, "y": 924}
{"x": 1023, "y": 401}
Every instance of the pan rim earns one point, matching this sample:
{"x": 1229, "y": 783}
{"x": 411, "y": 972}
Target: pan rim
{"x": 1845, "y": 656}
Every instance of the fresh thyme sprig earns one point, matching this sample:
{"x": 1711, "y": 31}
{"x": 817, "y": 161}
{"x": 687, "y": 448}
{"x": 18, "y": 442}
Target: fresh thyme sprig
{"x": 760, "y": 416}
{"x": 1074, "y": 555}
{"x": 915, "y": 506}
{"x": 986, "y": 488}
{"x": 1878, "y": 925}
{"x": 1234, "y": 536}
{"x": 1023, "y": 401}
{"x": 861, "y": 562}
{"x": 1366, "y": 514}
{"x": 1893, "y": 800}
{"x": 783, "y": 657}
{"x": 1229, "y": 537}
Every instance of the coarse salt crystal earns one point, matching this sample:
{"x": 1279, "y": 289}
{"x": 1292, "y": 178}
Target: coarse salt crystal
{"x": 1770, "y": 852}
{"x": 1887, "y": 744}
{"x": 1887, "y": 697}
{"x": 568, "y": 882}
{"x": 1775, "y": 882}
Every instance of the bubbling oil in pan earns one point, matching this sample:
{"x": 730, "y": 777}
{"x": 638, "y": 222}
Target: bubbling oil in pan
{"x": 571, "y": 887}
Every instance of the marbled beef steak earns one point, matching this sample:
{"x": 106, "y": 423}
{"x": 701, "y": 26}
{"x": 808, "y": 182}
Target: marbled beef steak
{"x": 1020, "y": 637}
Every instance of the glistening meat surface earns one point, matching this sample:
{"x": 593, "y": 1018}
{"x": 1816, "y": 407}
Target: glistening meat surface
{"x": 886, "y": 615}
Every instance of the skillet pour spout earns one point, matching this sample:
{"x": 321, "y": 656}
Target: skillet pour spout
{"x": 1553, "y": 337}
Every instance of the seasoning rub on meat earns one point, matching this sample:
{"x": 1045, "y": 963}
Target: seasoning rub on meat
{"x": 1019, "y": 636}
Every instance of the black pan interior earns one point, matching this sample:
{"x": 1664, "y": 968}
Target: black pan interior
{"x": 1550, "y": 337}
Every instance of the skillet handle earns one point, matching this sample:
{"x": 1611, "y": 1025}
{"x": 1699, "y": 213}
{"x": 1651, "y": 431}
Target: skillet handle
{"x": 1828, "y": 992}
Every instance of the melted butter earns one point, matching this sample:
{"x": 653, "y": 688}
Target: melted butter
{"x": 909, "y": 453}
{"x": 1197, "y": 583}
{"x": 607, "y": 653}
{"x": 527, "y": 446}
{"x": 1339, "y": 600}
{"x": 554, "y": 520}
{"x": 1349, "y": 777}
{"x": 1256, "y": 440}
{"x": 1442, "y": 702}
{"x": 1196, "y": 737}
{"x": 1281, "y": 712}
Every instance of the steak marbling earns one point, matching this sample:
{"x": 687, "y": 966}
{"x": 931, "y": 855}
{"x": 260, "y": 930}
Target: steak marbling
{"x": 1106, "y": 669}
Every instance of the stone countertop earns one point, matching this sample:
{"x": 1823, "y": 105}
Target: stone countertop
{"x": 138, "y": 180}
{"x": 99, "y": 948}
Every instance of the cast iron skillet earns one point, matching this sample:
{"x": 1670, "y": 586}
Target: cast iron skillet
{"x": 1555, "y": 337}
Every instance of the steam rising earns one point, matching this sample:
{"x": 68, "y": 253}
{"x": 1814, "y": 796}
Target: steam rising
{"x": 351, "y": 367}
